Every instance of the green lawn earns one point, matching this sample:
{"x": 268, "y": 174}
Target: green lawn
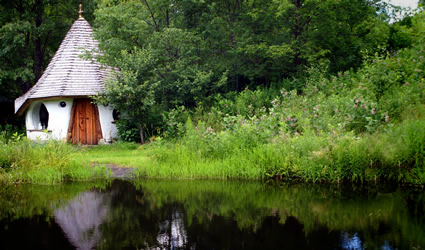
{"x": 125, "y": 155}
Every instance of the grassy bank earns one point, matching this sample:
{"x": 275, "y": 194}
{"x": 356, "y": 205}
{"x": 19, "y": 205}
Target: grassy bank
{"x": 396, "y": 155}
{"x": 23, "y": 161}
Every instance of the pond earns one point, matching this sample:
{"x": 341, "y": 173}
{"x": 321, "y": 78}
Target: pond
{"x": 205, "y": 214}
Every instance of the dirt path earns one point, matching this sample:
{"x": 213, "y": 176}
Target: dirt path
{"x": 119, "y": 172}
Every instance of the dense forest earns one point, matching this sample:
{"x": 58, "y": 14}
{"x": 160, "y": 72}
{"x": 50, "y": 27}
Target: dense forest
{"x": 193, "y": 53}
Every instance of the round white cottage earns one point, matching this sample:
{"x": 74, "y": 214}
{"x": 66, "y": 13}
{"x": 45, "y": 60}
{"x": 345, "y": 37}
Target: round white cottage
{"x": 58, "y": 106}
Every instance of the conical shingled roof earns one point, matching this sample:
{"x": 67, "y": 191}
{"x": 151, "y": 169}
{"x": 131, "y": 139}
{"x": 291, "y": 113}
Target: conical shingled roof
{"x": 68, "y": 74}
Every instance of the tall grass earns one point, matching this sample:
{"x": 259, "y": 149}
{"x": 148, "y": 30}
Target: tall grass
{"x": 393, "y": 155}
{"x": 24, "y": 161}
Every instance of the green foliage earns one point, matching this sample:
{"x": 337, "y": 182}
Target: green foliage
{"x": 197, "y": 51}
{"x": 10, "y": 133}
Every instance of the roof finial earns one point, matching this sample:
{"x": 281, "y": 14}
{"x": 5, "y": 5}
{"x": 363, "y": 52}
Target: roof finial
{"x": 80, "y": 12}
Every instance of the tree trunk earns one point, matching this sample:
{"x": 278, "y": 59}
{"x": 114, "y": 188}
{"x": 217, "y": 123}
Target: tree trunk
{"x": 38, "y": 53}
{"x": 142, "y": 138}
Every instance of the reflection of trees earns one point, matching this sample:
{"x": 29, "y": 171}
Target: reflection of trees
{"x": 228, "y": 215}
{"x": 25, "y": 201}
{"x": 172, "y": 232}
{"x": 325, "y": 212}
{"x": 135, "y": 222}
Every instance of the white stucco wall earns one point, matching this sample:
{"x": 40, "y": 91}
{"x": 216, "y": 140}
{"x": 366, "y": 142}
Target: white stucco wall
{"x": 109, "y": 129}
{"x": 59, "y": 118}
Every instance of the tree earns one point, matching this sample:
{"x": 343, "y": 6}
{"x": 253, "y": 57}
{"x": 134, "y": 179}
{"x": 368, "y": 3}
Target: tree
{"x": 160, "y": 62}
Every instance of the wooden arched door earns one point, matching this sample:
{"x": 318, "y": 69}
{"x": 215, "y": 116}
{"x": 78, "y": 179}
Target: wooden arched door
{"x": 84, "y": 126}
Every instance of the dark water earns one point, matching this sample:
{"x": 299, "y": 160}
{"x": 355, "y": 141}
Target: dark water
{"x": 210, "y": 215}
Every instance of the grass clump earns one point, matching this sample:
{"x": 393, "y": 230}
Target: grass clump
{"x": 51, "y": 162}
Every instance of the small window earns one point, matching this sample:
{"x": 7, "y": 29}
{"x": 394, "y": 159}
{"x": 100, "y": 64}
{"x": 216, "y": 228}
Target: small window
{"x": 116, "y": 115}
{"x": 44, "y": 117}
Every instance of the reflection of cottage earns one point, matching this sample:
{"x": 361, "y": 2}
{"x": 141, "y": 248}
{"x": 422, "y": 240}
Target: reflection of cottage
{"x": 81, "y": 218}
{"x": 58, "y": 106}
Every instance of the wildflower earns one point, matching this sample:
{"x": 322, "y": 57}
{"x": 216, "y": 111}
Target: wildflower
{"x": 407, "y": 83}
{"x": 323, "y": 84}
{"x": 374, "y": 111}
{"x": 387, "y": 118}
{"x": 315, "y": 115}
{"x": 355, "y": 105}
{"x": 336, "y": 110}
{"x": 357, "y": 101}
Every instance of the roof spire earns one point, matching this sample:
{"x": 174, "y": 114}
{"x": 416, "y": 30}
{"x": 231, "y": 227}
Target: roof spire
{"x": 80, "y": 12}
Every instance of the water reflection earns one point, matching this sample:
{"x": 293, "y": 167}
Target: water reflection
{"x": 211, "y": 215}
{"x": 351, "y": 241}
{"x": 172, "y": 234}
{"x": 80, "y": 218}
